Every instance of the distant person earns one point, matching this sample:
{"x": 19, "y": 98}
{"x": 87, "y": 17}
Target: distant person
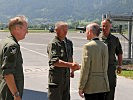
{"x": 60, "y": 53}
{"x": 114, "y": 48}
{"x": 11, "y": 62}
{"x": 93, "y": 83}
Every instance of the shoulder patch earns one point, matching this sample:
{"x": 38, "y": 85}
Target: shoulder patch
{"x": 13, "y": 50}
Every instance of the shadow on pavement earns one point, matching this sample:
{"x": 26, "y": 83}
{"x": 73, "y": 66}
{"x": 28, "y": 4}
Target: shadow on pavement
{"x": 34, "y": 95}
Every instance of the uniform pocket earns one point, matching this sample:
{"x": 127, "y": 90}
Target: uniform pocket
{"x": 53, "y": 85}
{"x": 55, "y": 77}
{"x": 2, "y": 85}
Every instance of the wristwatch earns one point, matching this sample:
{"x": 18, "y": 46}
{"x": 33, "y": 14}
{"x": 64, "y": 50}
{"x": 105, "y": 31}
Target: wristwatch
{"x": 16, "y": 94}
{"x": 120, "y": 66}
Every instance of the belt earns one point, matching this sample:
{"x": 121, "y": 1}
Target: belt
{"x": 98, "y": 73}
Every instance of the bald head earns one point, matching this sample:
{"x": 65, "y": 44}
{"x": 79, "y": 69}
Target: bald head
{"x": 94, "y": 27}
{"x": 106, "y": 26}
{"x": 61, "y": 29}
{"x": 107, "y": 20}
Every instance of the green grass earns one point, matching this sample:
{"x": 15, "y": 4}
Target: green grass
{"x": 30, "y": 31}
{"x": 72, "y": 30}
{"x": 6, "y": 30}
{"x": 127, "y": 74}
{"x": 39, "y": 31}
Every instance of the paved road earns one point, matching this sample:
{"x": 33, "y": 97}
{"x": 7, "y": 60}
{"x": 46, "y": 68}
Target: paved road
{"x": 36, "y": 67}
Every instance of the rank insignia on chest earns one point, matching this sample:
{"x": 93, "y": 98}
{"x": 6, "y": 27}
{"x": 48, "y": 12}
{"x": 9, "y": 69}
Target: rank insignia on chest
{"x": 62, "y": 50}
{"x": 53, "y": 52}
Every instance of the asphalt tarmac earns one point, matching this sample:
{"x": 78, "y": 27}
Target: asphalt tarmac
{"x": 34, "y": 51}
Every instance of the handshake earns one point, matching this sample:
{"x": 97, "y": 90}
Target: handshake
{"x": 75, "y": 66}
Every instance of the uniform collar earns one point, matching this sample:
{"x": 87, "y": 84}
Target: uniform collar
{"x": 109, "y": 35}
{"x": 104, "y": 38}
{"x": 96, "y": 38}
{"x": 57, "y": 38}
{"x": 12, "y": 37}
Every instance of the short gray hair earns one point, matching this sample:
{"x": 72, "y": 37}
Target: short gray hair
{"x": 94, "y": 27}
{"x": 60, "y": 23}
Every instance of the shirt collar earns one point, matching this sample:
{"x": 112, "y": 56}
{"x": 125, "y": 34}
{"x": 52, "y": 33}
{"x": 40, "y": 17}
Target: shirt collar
{"x": 104, "y": 38}
{"x": 12, "y": 37}
{"x": 96, "y": 38}
{"x": 109, "y": 35}
{"x": 60, "y": 40}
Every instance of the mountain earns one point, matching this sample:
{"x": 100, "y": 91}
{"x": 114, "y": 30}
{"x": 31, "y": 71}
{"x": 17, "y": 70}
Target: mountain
{"x": 49, "y": 11}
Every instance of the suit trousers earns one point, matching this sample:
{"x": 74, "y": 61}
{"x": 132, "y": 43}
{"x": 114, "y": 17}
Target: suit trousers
{"x": 95, "y": 96}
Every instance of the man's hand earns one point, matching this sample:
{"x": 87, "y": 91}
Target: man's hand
{"x": 75, "y": 66}
{"x": 119, "y": 70}
{"x": 17, "y": 98}
{"x": 81, "y": 93}
{"x": 72, "y": 74}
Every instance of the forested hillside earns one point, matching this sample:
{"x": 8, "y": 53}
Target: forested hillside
{"x": 49, "y": 11}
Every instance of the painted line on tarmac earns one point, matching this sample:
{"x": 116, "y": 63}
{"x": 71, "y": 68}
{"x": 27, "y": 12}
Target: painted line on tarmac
{"x": 72, "y": 90}
{"x": 75, "y": 48}
{"x": 79, "y": 38}
{"x": 34, "y": 51}
{"x": 32, "y": 43}
{"x": 34, "y": 70}
{"x": 34, "y": 75}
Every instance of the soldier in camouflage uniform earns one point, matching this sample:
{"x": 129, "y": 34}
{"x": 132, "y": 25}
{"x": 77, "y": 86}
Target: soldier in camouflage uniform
{"x": 114, "y": 48}
{"x": 60, "y": 52}
{"x": 11, "y": 69}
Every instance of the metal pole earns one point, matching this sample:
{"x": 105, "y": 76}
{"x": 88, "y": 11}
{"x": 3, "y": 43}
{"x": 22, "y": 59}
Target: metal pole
{"x": 103, "y": 16}
{"x": 107, "y": 16}
{"x": 129, "y": 34}
{"x": 132, "y": 40}
{"x": 132, "y": 47}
